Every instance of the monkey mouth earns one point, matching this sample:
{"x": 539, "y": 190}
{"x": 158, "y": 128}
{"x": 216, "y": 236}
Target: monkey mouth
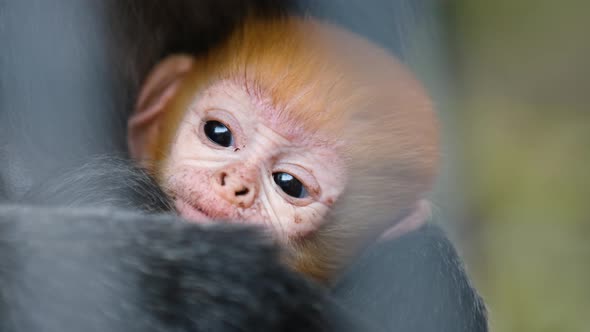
{"x": 192, "y": 212}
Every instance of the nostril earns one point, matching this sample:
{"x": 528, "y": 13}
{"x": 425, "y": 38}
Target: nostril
{"x": 222, "y": 177}
{"x": 242, "y": 192}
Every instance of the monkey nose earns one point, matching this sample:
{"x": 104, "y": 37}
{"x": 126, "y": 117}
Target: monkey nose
{"x": 235, "y": 186}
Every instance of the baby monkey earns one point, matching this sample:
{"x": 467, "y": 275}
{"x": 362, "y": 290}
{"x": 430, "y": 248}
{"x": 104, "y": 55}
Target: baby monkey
{"x": 307, "y": 130}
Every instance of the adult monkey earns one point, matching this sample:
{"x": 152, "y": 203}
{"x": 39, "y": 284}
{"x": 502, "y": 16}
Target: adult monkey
{"x": 27, "y": 150}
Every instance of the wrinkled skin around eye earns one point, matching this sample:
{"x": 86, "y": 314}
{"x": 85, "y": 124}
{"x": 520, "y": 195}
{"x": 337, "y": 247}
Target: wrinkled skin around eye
{"x": 250, "y": 172}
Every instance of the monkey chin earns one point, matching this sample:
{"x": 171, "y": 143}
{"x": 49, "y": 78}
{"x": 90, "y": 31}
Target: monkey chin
{"x": 192, "y": 213}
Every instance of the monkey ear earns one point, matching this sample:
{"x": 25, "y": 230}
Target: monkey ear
{"x": 159, "y": 88}
{"x": 418, "y": 218}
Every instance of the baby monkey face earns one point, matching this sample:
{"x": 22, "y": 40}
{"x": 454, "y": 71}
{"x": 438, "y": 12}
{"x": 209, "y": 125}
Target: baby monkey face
{"x": 236, "y": 158}
{"x": 270, "y": 127}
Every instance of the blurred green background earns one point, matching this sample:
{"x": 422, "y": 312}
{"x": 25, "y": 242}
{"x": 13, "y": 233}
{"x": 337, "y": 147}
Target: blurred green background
{"x": 519, "y": 126}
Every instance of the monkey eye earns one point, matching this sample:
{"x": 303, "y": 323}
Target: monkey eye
{"x": 218, "y": 133}
{"x": 290, "y": 185}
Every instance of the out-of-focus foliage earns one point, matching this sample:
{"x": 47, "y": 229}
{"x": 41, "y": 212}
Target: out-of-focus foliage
{"x": 522, "y": 69}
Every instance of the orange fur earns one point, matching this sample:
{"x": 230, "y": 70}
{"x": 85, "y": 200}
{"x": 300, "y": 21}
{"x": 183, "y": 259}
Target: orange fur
{"x": 332, "y": 87}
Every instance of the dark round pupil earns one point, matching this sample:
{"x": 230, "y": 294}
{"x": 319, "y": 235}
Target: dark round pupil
{"x": 219, "y": 133}
{"x": 290, "y": 184}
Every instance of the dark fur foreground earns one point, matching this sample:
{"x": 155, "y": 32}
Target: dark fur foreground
{"x": 70, "y": 269}
{"x": 414, "y": 283}
{"x": 158, "y": 269}
{"x": 102, "y": 181}
{"x": 120, "y": 271}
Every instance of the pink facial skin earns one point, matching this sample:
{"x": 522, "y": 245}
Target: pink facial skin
{"x": 209, "y": 182}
